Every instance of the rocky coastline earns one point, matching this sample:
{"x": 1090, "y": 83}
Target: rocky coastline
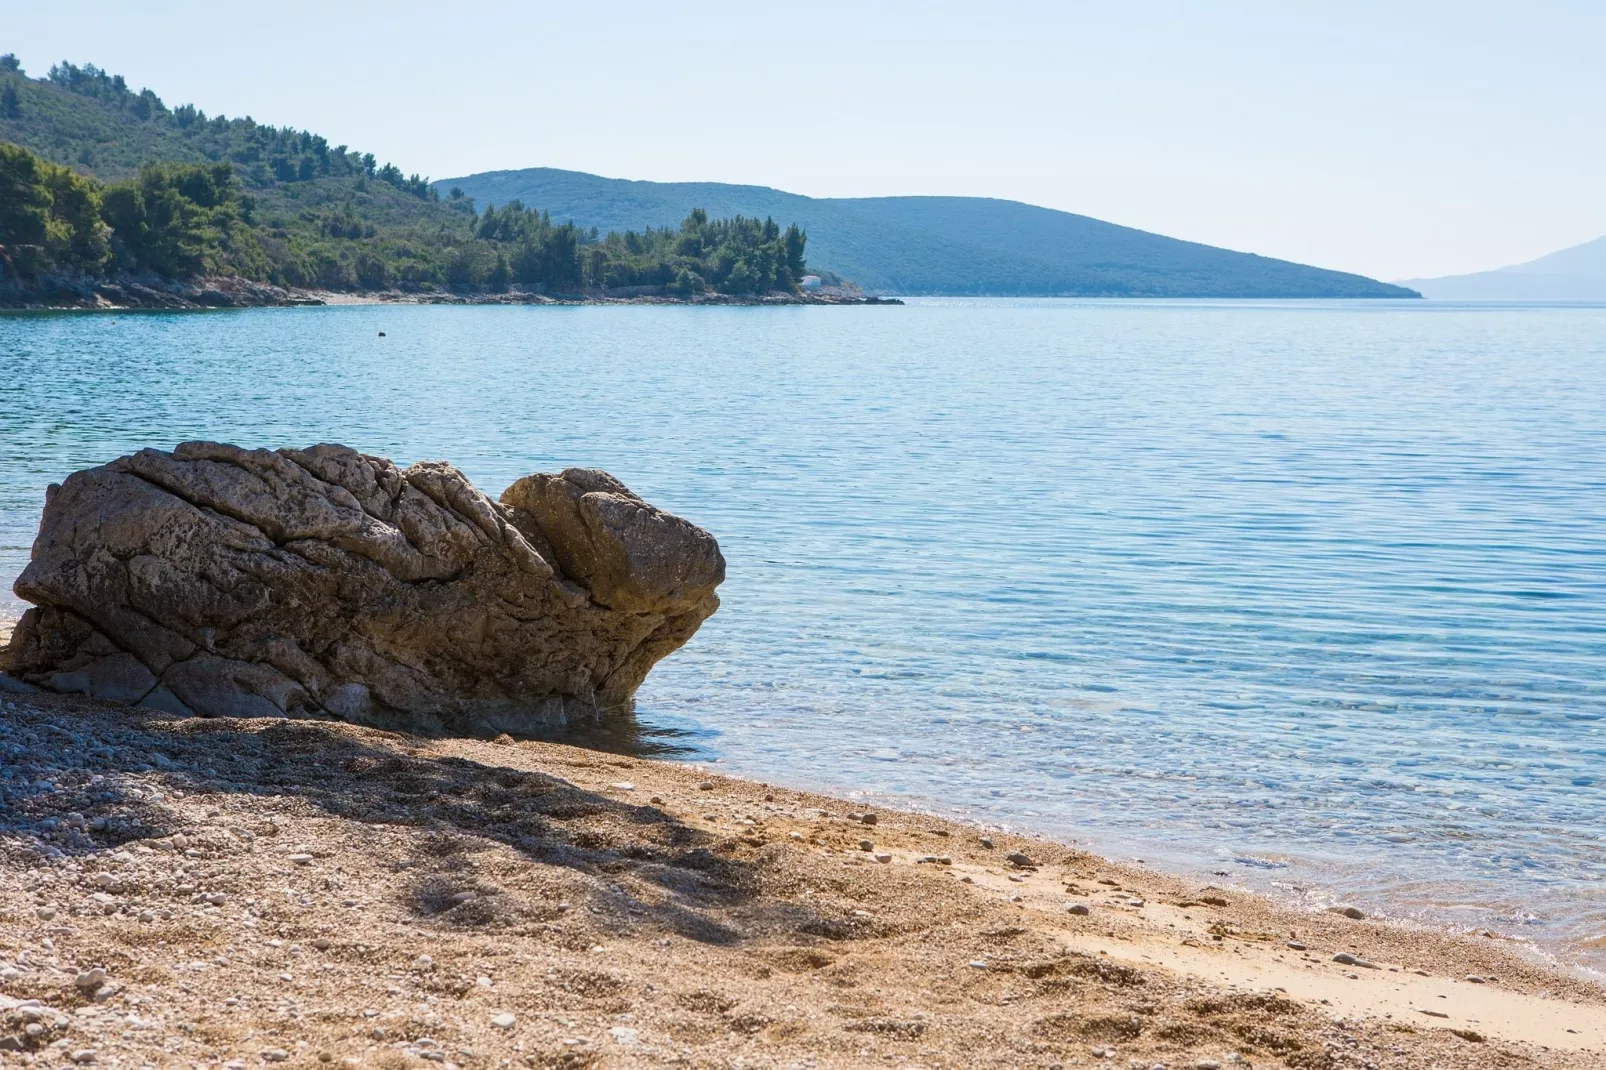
{"x": 278, "y": 786}
{"x": 148, "y": 292}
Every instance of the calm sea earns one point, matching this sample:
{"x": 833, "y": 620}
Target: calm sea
{"x": 1308, "y": 594}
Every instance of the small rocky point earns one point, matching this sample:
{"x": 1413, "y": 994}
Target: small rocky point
{"x": 328, "y": 583}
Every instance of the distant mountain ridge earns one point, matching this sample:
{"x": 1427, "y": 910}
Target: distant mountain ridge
{"x": 937, "y": 245}
{"x": 1577, "y": 273}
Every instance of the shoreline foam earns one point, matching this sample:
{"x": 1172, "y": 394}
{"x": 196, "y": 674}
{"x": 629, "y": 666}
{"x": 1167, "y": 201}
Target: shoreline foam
{"x": 635, "y": 912}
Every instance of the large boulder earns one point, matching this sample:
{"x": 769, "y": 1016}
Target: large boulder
{"x": 324, "y": 582}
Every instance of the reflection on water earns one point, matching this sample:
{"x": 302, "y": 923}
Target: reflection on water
{"x": 625, "y": 733}
{"x": 1310, "y": 594}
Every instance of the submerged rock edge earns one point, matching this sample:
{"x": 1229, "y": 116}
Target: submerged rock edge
{"x": 325, "y": 582}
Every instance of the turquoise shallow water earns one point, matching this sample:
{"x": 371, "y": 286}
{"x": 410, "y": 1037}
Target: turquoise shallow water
{"x": 1313, "y": 595}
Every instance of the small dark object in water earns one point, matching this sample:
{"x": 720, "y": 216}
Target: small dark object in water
{"x": 381, "y": 334}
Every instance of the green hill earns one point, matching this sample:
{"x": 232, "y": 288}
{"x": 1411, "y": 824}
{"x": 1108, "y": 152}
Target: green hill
{"x": 939, "y": 245}
{"x": 99, "y": 181}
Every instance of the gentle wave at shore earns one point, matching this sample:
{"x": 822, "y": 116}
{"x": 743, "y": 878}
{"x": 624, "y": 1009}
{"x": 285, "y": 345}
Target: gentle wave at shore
{"x": 1307, "y": 594}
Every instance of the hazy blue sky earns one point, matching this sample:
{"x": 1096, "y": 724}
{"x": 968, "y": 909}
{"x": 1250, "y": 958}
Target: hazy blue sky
{"x": 1394, "y": 139}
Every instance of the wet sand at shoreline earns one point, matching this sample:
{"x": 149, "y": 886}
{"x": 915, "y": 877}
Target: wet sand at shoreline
{"x": 309, "y": 893}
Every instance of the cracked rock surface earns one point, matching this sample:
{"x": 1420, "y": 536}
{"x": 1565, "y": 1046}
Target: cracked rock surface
{"x": 324, "y": 582}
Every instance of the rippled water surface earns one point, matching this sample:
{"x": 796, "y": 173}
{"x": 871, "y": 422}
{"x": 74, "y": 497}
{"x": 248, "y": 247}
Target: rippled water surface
{"x": 1313, "y": 595}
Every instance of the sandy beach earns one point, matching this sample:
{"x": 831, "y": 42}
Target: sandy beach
{"x": 300, "y": 893}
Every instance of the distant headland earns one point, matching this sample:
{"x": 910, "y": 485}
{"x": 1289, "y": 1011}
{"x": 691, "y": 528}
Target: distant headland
{"x": 941, "y": 246}
{"x": 114, "y": 199}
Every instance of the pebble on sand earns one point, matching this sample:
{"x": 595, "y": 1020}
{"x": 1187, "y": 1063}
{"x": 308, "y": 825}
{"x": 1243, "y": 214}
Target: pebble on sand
{"x": 1346, "y": 959}
{"x": 1078, "y": 908}
{"x": 505, "y": 1020}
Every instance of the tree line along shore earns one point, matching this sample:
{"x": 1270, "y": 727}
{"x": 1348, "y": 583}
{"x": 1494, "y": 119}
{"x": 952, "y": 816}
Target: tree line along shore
{"x": 111, "y": 196}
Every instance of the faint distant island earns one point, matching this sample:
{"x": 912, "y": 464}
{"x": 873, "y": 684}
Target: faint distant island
{"x": 110, "y": 198}
{"x": 1577, "y": 273}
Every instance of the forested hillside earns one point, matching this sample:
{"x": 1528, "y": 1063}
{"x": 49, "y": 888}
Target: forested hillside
{"x": 99, "y": 179}
{"x": 942, "y": 245}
